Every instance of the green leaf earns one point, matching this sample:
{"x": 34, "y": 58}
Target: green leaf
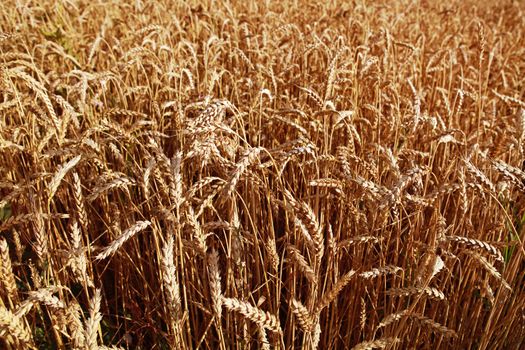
{"x": 5, "y": 212}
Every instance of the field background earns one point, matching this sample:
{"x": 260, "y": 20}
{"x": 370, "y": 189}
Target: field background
{"x": 262, "y": 174}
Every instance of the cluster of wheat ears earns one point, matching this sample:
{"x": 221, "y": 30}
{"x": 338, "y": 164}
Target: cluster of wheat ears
{"x": 262, "y": 174}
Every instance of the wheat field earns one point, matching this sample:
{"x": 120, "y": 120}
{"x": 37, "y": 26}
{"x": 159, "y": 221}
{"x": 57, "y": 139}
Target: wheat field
{"x": 262, "y": 174}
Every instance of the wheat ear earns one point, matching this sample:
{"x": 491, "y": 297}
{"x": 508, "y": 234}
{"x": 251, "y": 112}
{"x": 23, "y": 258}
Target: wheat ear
{"x": 11, "y": 324}
{"x": 93, "y": 323}
{"x": 126, "y": 235}
{"x": 256, "y": 315}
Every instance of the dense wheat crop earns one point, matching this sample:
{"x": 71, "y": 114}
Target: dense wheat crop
{"x": 262, "y": 174}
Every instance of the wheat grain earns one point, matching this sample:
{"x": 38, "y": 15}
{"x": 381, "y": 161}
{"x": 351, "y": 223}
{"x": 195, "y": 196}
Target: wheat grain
{"x": 388, "y": 320}
{"x": 119, "y": 182}
{"x": 93, "y": 323}
{"x": 429, "y": 292}
{"x": 59, "y": 175}
{"x": 473, "y": 243}
{"x": 6, "y": 272}
{"x": 302, "y": 264}
{"x": 309, "y": 224}
{"x": 306, "y": 320}
{"x": 14, "y": 327}
{"x": 125, "y": 236}
{"x": 79, "y": 202}
{"x": 435, "y": 326}
{"x": 261, "y": 318}
{"x": 247, "y": 159}
{"x": 46, "y": 297}
{"x": 490, "y": 268}
{"x": 215, "y": 283}
{"x": 169, "y": 274}
{"x": 329, "y": 296}
{"x": 381, "y": 343}
{"x": 375, "y": 272}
